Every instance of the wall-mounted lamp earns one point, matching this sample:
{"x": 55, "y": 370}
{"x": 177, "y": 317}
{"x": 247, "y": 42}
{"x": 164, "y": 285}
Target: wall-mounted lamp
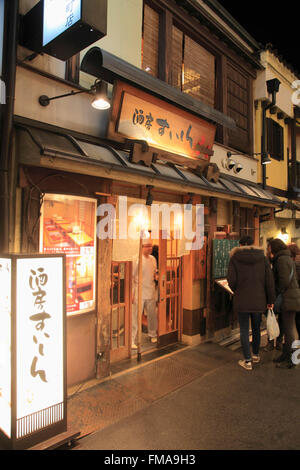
{"x": 238, "y": 168}
{"x": 149, "y": 199}
{"x": 264, "y": 157}
{"x": 265, "y": 160}
{"x": 284, "y": 236}
{"x": 228, "y": 163}
{"x": 99, "y": 90}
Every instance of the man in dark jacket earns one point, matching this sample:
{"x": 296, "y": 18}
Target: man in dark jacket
{"x": 286, "y": 283}
{"x": 251, "y": 279}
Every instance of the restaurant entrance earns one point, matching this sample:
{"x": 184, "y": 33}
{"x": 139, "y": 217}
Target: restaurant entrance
{"x": 169, "y": 296}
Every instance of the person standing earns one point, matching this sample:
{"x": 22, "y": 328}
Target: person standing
{"x": 286, "y": 284}
{"x": 149, "y": 275}
{"x": 251, "y": 280}
{"x": 295, "y": 253}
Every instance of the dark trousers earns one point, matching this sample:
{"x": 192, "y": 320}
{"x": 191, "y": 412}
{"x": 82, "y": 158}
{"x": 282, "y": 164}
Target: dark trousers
{"x": 298, "y": 323}
{"x": 244, "y": 330}
{"x": 289, "y": 330}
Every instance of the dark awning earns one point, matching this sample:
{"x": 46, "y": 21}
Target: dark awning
{"x": 32, "y": 144}
{"x": 102, "y": 64}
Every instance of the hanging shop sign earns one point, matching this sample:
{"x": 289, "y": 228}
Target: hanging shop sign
{"x": 171, "y": 133}
{"x": 68, "y": 226}
{"x": 62, "y": 28}
{"x": 32, "y": 359}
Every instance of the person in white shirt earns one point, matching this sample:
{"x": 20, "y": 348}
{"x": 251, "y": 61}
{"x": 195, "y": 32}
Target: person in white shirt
{"x": 149, "y": 275}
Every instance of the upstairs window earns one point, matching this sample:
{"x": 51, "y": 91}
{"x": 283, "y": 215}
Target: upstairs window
{"x": 238, "y": 108}
{"x": 150, "y": 41}
{"x": 193, "y": 68}
{"x": 275, "y": 140}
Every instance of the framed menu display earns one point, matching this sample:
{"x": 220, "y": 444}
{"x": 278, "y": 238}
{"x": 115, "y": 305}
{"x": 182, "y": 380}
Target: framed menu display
{"x": 68, "y": 225}
{"x": 221, "y": 256}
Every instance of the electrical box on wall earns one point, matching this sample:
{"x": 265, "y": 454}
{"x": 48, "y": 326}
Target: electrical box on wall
{"x": 62, "y": 28}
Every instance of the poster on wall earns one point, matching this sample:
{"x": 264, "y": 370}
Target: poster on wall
{"x": 68, "y": 226}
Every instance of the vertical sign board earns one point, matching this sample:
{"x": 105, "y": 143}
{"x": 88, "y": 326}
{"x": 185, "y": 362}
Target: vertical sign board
{"x": 58, "y": 16}
{"x": 40, "y": 343}
{"x": 32, "y": 349}
{"x": 5, "y": 346}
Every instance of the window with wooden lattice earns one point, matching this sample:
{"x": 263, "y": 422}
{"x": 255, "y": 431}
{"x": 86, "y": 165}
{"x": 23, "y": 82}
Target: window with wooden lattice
{"x": 150, "y": 40}
{"x": 193, "y": 68}
{"x": 275, "y": 139}
{"x": 238, "y": 108}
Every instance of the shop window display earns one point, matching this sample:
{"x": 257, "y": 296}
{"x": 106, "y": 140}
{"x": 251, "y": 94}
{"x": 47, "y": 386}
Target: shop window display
{"x": 68, "y": 225}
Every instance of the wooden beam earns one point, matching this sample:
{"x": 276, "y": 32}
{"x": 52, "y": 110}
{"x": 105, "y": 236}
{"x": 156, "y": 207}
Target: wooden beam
{"x": 103, "y": 345}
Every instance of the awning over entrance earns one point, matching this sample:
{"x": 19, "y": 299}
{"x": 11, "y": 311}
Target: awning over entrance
{"x": 33, "y": 144}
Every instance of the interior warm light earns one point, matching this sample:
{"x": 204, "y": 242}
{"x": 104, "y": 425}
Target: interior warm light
{"x": 101, "y": 103}
{"x": 283, "y": 235}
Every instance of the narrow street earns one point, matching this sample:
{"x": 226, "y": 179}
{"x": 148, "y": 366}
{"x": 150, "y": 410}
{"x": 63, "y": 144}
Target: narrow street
{"x": 196, "y": 399}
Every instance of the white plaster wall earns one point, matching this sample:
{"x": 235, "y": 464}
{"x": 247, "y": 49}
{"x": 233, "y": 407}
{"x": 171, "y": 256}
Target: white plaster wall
{"x": 73, "y": 112}
{"x": 249, "y": 172}
{"x": 124, "y": 34}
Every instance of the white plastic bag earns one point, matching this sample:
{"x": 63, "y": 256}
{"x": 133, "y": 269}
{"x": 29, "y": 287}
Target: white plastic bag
{"x": 272, "y": 325}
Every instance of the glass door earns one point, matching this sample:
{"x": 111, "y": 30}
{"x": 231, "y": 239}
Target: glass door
{"x": 170, "y": 299}
{"x": 120, "y": 310}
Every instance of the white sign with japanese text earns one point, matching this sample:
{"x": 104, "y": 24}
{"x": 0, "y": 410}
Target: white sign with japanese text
{"x": 40, "y": 317}
{"x": 59, "y": 15}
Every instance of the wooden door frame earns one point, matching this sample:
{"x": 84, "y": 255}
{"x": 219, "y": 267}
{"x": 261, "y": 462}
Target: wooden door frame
{"x": 173, "y": 336}
{"x": 124, "y": 352}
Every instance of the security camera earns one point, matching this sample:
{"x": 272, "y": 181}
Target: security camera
{"x": 238, "y": 168}
{"x": 230, "y": 164}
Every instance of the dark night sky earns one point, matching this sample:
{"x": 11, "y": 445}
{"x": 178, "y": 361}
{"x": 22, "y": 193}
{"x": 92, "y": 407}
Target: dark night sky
{"x": 270, "y": 22}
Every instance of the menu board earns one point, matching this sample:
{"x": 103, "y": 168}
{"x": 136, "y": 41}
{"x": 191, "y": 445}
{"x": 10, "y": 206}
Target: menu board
{"x": 221, "y": 257}
{"x": 69, "y": 226}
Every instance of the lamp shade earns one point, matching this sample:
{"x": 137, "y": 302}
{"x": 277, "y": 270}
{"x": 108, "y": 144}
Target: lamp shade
{"x": 265, "y": 159}
{"x": 100, "y": 100}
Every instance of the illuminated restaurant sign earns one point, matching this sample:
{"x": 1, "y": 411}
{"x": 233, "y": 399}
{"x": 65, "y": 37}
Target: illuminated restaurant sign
{"x": 67, "y": 26}
{"x": 32, "y": 359}
{"x": 141, "y": 116}
{"x": 69, "y": 226}
{"x": 58, "y": 16}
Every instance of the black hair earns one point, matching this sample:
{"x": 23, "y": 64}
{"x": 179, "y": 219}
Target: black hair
{"x": 246, "y": 241}
{"x": 277, "y": 245}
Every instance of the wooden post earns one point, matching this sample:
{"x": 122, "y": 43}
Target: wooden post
{"x": 210, "y": 318}
{"x": 104, "y": 248}
{"x": 140, "y": 292}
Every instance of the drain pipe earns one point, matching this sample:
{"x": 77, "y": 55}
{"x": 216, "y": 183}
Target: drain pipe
{"x": 273, "y": 88}
{"x": 7, "y": 112}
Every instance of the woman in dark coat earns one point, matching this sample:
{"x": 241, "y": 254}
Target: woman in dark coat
{"x": 286, "y": 283}
{"x": 251, "y": 280}
{"x": 295, "y": 253}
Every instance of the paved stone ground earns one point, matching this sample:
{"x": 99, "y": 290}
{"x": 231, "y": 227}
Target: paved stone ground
{"x": 199, "y": 399}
